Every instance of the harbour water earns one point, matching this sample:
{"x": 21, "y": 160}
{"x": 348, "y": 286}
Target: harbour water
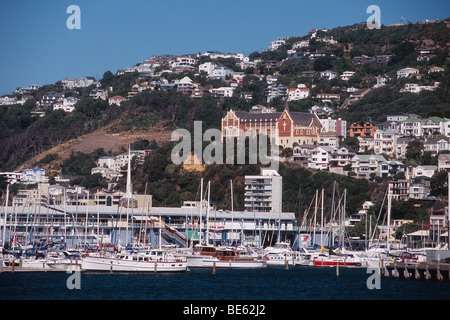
{"x": 270, "y": 283}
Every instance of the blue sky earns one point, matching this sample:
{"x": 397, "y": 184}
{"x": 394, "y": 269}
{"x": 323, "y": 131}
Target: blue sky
{"x": 38, "y": 48}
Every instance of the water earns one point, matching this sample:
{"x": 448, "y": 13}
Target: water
{"x": 271, "y": 283}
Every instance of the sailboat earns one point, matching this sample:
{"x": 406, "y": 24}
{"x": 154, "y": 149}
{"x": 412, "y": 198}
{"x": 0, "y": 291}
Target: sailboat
{"x": 152, "y": 260}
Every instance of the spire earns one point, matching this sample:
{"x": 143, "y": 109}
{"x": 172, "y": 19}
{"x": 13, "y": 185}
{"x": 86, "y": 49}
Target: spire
{"x": 128, "y": 200}
{"x": 129, "y": 193}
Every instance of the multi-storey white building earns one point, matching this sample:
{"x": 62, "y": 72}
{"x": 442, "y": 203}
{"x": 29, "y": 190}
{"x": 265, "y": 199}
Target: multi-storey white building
{"x": 385, "y": 141}
{"x": 320, "y": 158}
{"x": 299, "y": 93}
{"x": 406, "y": 72}
{"x": 263, "y": 193}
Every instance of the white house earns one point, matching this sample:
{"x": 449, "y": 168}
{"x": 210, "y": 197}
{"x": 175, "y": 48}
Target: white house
{"x": 207, "y": 67}
{"x": 116, "y": 100}
{"x": 444, "y": 162}
{"x": 185, "y": 84}
{"x": 33, "y": 175}
{"x": 301, "y": 92}
{"x": 328, "y": 139}
{"x": 277, "y": 90}
{"x": 300, "y": 44}
{"x": 221, "y": 73}
{"x": 8, "y": 100}
{"x": 406, "y": 72}
{"x": 67, "y": 104}
{"x": 223, "y": 92}
{"x": 347, "y": 75}
{"x": 99, "y": 94}
{"x": 363, "y": 165}
{"x": 328, "y": 74}
{"x": 274, "y": 45}
{"x": 320, "y": 157}
{"x": 385, "y": 141}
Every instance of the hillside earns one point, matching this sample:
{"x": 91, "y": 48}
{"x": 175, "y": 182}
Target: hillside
{"x": 155, "y": 103}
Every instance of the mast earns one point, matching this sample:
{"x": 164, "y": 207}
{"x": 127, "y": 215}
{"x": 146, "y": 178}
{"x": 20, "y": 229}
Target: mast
{"x": 207, "y": 213}
{"x": 232, "y": 209}
{"x": 321, "y": 221}
{"x": 5, "y": 217}
{"x": 448, "y": 213}
{"x": 343, "y": 219}
{"x": 388, "y": 217}
{"x": 201, "y": 211}
{"x": 314, "y": 225}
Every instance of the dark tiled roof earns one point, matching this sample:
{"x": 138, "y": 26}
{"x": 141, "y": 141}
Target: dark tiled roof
{"x": 250, "y": 116}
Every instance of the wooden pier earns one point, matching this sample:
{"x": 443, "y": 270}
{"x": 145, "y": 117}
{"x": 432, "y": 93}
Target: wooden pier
{"x": 418, "y": 271}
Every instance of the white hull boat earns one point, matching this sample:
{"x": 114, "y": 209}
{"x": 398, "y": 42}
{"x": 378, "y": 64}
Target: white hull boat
{"x": 152, "y": 261}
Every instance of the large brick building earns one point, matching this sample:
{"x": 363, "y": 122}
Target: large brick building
{"x": 285, "y": 127}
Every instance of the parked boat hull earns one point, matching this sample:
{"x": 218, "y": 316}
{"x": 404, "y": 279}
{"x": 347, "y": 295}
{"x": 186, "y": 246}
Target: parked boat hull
{"x": 98, "y": 264}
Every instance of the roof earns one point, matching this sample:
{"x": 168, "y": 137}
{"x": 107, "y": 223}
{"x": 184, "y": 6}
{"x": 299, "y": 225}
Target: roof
{"x": 304, "y": 119}
{"x": 117, "y": 97}
{"x": 251, "y": 116}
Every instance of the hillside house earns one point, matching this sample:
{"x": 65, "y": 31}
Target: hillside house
{"x": 444, "y": 162}
{"x": 299, "y": 93}
{"x": 407, "y": 72}
{"x": 362, "y": 129}
{"x": 117, "y": 100}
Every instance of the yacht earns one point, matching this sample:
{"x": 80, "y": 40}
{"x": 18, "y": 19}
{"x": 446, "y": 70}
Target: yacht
{"x": 155, "y": 260}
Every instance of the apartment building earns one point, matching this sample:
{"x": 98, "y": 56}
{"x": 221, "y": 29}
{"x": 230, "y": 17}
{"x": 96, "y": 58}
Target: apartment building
{"x": 263, "y": 193}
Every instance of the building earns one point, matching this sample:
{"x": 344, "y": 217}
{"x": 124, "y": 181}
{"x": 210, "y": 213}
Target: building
{"x": 399, "y": 190}
{"x": 33, "y": 176}
{"x": 436, "y": 144}
{"x": 419, "y": 187}
{"x": 362, "y": 129}
{"x": 337, "y": 126}
{"x": 276, "y": 90}
{"x": 67, "y": 104}
{"x": 8, "y": 100}
{"x": 287, "y": 128}
{"x": 207, "y": 67}
{"x": 274, "y": 45}
{"x": 263, "y": 193}
{"x": 223, "y": 92}
{"x": 347, "y": 75}
{"x": 320, "y": 158}
{"x": 363, "y": 165}
{"x": 383, "y": 59}
{"x": 406, "y": 72}
{"x": 385, "y": 141}
{"x": 51, "y": 97}
{"x": 328, "y": 139}
{"x": 221, "y": 73}
{"x": 98, "y": 93}
{"x": 365, "y": 143}
{"x": 299, "y": 93}
{"x": 341, "y": 156}
{"x": 117, "y": 100}
{"x": 298, "y": 127}
{"x": 444, "y": 162}
{"x": 362, "y": 60}
{"x": 328, "y": 74}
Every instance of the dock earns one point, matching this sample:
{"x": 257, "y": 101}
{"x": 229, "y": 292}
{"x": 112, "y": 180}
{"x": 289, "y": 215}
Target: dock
{"x": 418, "y": 271}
